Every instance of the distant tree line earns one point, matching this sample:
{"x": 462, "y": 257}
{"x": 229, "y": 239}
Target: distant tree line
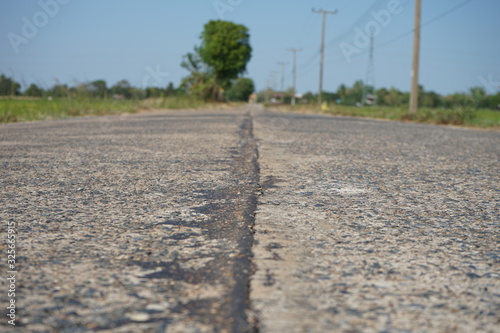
{"x": 95, "y": 89}
{"x": 240, "y": 88}
{"x": 476, "y": 97}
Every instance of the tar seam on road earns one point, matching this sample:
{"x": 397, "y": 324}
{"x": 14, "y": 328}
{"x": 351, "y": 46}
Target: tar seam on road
{"x": 224, "y": 262}
{"x": 244, "y": 268}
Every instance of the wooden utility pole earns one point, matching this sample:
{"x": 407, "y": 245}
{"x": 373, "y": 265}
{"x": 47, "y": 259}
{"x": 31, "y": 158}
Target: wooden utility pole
{"x": 294, "y": 51}
{"x": 322, "y": 57}
{"x": 416, "y": 59}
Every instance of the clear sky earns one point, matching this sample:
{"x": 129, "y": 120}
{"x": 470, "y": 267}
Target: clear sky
{"x": 74, "y": 41}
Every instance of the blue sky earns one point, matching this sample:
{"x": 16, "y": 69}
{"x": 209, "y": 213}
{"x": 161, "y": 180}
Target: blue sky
{"x": 143, "y": 41}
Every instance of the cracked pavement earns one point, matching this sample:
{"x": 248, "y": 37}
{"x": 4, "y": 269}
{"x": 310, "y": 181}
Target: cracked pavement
{"x": 250, "y": 220}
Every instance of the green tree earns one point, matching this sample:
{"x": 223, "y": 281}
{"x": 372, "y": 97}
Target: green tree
{"x": 381, "y": 96}
{"x": 351, "y": 96}
{"x": 122, "y": 88}
{"x": 154, "y": 92}
{"x": 98, "y": 88}
{"x": 34, "y": 91}
{"x": 137, "y": 93}
{"x": 479, "y": 96}
{"x": 310, "y": 96}
{"x": 225, "y": 50}
{"x": 330, "y": 97}
{"x": 493, "y": 101}
{"x": 394, "y": 97}
{"x": 8, "y": 86}
{"x": 342, "y": 92}
{"x": 60, "y": 90}
{"x": 170, "y": 90}
{"x": 241, "y": 90}
{"x": 458, "y": 100}
{"x": 223, "y": 55}
{"x": 430, "y": 99}
{"x": 200, "y": 82}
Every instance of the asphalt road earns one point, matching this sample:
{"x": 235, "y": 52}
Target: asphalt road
{"x": 374, "y": 226}
{"x": 250, "y": 220}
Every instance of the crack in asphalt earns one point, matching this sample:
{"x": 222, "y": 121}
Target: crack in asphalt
{"x": 245, "y": 267}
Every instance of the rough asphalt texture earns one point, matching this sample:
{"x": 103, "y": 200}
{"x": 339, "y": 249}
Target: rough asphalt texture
{"x": 246, "y": 220}
{"x": 132, "y": 223}
{"x": 373, "y": 226}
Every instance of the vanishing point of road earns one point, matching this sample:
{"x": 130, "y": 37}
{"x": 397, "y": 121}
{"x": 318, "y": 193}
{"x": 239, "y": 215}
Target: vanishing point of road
{"x": 249, "y": 220}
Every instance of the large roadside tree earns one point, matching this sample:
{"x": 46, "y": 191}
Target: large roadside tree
{"x": 226, "y": 50}
{"x": 220, "y": 59}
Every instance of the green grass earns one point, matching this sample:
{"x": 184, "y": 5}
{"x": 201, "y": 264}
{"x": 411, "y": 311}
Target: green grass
{"x": 376, "y": 112}
{"x": 459, "y": 116}
{"x": 175, "y": 102}
{"x": 15, "y": 110}
{"x": 22, "y": 109}
{"x": 486, "y": 118}
{"x": 186, "y": 103}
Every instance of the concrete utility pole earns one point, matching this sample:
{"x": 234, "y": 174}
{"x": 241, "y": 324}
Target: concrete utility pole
{"x": 321, "y": 62}
{"x": 294, "y": 51}
{"x": 370, "y": 79}
{"x": 268, "y": 89}
{"x": 283, "y": 64}
{"x": 416, "y": 58}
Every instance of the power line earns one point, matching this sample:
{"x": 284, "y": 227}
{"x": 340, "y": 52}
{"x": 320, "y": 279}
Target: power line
{"x": 306, "y": 66}
{"x": 311, "y": 59}
{"x": 451, "y": 10}
{"x": 348, "y": 31}
{"x": 425, "y": 24}
{"x": 362, "y": 18}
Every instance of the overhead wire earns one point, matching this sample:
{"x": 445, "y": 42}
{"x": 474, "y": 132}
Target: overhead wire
{"x": 362, "y": 18}
{"x": 305, "y": 68}
{"x": 427, "y": 23}
{"x": 318, "y": 51}
{"x": 409, "y": 32}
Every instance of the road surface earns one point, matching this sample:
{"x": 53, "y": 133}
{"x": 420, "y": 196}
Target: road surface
{"x": 249, "y": 220}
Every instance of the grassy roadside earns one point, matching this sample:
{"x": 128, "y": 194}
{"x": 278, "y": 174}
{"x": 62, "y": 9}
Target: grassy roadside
{"x": 20, "y": 109}
{"x": 467, "y": 117}
{"x": 17, "y": 110}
